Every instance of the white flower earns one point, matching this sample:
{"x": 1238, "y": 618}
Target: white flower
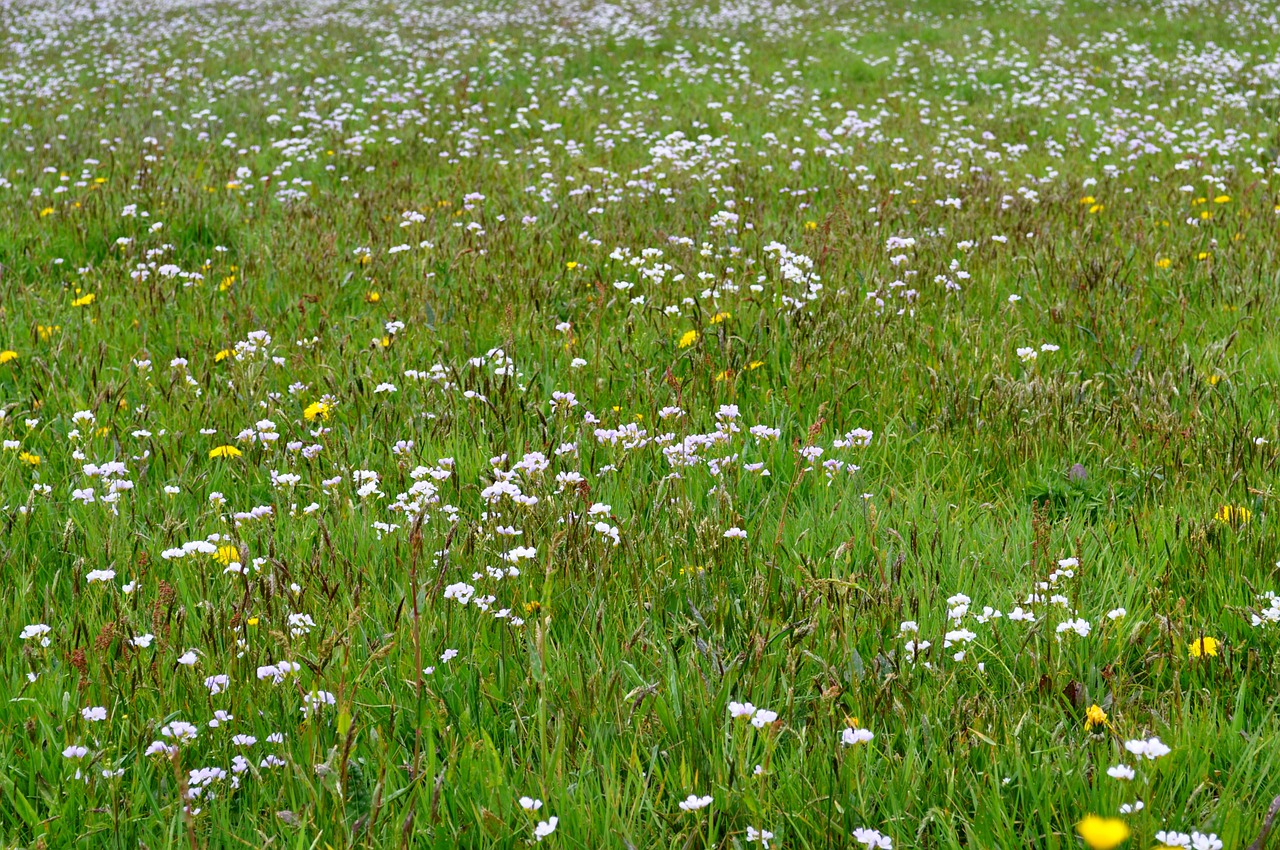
{"x": 1152, "y": 748}
{"x": 693, "y": 802}
{"x": 763, "y": 717}
{"x": 1027, "y": 354}
{"x": 545, "y": 827}
{"x": 95, "y": 714}
{"x": 188, "y": 658}
{"x": 856, "y": 736}
{"x": 761, "y": 835}
{"x": 100, "y": 575}
{"x": 741, "y": 709}
{"x": 735, "y": 532}
{"x": 75, "y": 752}
{"x": 1120, "y": 771}
{"x": 1200, "y": 841}
{"x": 529, "y": 804}
{"x": 873, "y": 839}
{"x": 36, "y": 630}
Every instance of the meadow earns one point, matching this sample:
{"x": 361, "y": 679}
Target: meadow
{"x": 637, "y": 424}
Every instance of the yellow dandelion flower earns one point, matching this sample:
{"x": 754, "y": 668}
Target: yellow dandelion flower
{"x": 84, "y": 300}
{"x": 720, "y": 317}
{"x": 372, "y": 297}
{"x": 1203, "y": 255}
{"x": 1222, "y": 199}
{"x": 1095, "y": 716}
{"x": 810, "y": 225}
{"x": 225, "y": 451}
{"x": 46, "y": 211}
{"x": 1233, "y": 515}
{"x": 253, "y": 621}
{"x": 7, "y": 356}
{"x": 1205, "y": 647}
{"x": 317, "y": 409}
{"x": 1163, "y": 263}
{"x": 1088, "y": 199}
{"x": 222, "y": 355}
{"x": 754, "y": 365}
{"x": 227, "y": 282}
{"x": 571, "y": 265}
{"x": 1103, "y": 833}
{"x": 28, "y": 457}
{"x": 226, "y": 554}
{"x": 1096, "y": 208}
{"x": 689, "y": 338}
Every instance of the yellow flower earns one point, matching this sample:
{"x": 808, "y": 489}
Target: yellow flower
{"x": 47, "y": 331}
{"x": 810, "y": 225}
{"x": 84, "y": 300}
{"x": 571, "y": 265}
{"x": 222, "y": 355}
{"x": 226, "y": 554}
{"x": 754, "y": 364}
{"x": 7, "y": 356}
{"x": 1206, "y": 215}
{"x": 1222, "y": 199}
{"x": 1164, "y": 263}
{"x": 1204, "y": 647}
{"x": 46, "y": 211}
{"x": 720, "y": 317}
{"x": 1096, "y": 208}
{"x": 316, "y": 408}
{"x": 27, "y": 457}
{"x": 1233, "y": 515}
{"x": 225, "y": 451}
{"x": 227, "y": 282}
{"x": 1203, "y": 255}
{"x": 373, "y": 298}
{"x": 1103, "y": 833}
{"x": 253, "y": 621}
{"x": 1088, "y": 199}
{"x": 689, "y": 338}
{"x": 1095, "y": 716}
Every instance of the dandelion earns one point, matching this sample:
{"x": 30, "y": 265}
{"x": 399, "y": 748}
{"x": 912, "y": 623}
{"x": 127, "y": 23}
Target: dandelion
{"x": 225, "y": 451}
{"x": 8, "y": 356}
{"x": 1094, "y": 717}
{"x": 1204, "y": 647}
{"x": 317, "y": 410}
{"x": 688, "y": 339}
{"x": 84, "y": 300}
{"x": 1102, "y": 833}
{"x": 1233, "y": 515}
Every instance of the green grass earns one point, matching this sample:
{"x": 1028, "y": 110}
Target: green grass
{"x": 1144, "y": 446}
